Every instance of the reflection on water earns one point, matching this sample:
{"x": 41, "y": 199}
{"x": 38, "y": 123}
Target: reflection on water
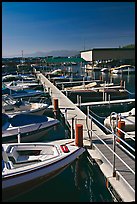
{"x": 80, "y": 182}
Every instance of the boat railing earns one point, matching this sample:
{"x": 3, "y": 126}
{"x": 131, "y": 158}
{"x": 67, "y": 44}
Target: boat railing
{"x": 115, "y": 136}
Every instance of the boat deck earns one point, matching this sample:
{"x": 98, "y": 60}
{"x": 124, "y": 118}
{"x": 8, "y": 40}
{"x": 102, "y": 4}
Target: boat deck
{"x": 123, "y": 184}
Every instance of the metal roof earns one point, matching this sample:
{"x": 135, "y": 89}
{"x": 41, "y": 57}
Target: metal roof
{"x": 64, "y": 59}
{"x": 107, "y": 49}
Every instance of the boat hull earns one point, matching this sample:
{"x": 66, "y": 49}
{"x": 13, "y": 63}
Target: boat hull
{"x": 30, "y": 136}
{"x": 21, "y": 181}
{"x": 30, "y": 127}
{"x": 25, "y": 187}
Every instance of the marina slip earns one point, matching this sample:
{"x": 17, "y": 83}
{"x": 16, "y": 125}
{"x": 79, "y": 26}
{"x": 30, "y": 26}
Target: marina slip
{"x": 105, "y": 168}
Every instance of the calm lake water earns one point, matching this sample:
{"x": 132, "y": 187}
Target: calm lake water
{"x": 82, "y": 181}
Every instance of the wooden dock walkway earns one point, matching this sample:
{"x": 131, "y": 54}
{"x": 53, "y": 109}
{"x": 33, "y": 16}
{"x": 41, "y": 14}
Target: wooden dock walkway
{"x": 123, "y": 184}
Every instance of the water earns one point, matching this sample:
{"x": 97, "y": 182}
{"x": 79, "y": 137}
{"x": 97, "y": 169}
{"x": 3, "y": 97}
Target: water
{"x": 82, "y": 181}
{"x": 77, "y": 183}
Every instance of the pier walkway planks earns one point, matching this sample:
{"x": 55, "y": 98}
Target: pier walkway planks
{"x": 124, "y": 182}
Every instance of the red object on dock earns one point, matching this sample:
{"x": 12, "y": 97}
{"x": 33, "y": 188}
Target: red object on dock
{"x": 121, "y": 125}
{"x": 55, "y": 104}
{"x": 79, "y": 135}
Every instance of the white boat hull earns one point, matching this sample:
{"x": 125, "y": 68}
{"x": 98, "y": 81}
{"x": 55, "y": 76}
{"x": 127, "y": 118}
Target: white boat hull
{"x": 28, "y": 136}
{"x": 25, "y": 179}
{"x": 129, "y": 119}
{"x": 31, "y": 128}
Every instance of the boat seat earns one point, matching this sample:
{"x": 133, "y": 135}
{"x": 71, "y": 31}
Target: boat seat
{"x": 24, "y": 159}
{"x": 6, "y": 165}
{"x": 48, "y": 151}
{"x": 17, "y": 158}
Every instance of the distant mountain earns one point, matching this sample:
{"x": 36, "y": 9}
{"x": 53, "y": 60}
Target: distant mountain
{"x": 129, "y": 46}
{"x": 54, "y": 53}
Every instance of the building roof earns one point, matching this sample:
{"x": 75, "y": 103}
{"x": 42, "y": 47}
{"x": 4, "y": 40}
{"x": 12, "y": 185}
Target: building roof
{"x": 64, "y": 59}
{"x": 96, "y": 49}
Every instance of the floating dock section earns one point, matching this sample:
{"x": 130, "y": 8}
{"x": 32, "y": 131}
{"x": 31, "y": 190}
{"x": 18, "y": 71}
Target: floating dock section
{"x": 117, "y": 166}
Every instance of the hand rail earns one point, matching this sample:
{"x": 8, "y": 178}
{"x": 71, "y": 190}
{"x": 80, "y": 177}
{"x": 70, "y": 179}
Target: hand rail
{"x": 113, "y": 151}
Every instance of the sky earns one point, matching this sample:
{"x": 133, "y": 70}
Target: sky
{"x": 47, "y": 26}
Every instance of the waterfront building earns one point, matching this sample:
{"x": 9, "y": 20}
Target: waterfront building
{"x": 108, "y": 54}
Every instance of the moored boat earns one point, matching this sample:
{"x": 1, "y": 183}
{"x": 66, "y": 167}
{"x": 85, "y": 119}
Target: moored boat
{"x": 20, "y": 85}
{"x": 123, "y": 69}
{"x": 10, "y": 106}
{"x": 30, "y": 127}
{"x": 27, "y": 165}
{"x": 24, "y": 93}
{"x": 128, "y": 117}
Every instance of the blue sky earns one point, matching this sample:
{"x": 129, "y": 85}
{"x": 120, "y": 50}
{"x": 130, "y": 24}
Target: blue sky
{"x": 48, "y": 26}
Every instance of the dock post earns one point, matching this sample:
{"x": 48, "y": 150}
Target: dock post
{"x": 66, "y": 93}
{"x": 72, "y": 129}
{"x": 78, "y": 100}
{"x": 121, "y": 83}
{"x": 79, "y": 135}
{"x": 89, "y": 129}
{"x": 48, "y": 90}
{"x": 109, "y": 100}
{"x": 56, "y": 109}
{"x": 114, "y": 150}
{"x": 45, "y": 89}
{"x": 105, "y": 96}
{"x": 66, "y": 115}
{"x": 121, "y": 125}
{"x": 103, "y": 93}
{"x": 124, "y": 85}
{"x": 114, "y": 142}
{"x": 54, "y": 82}
{"x": 19, "y": 135}
{"x": 84, "y": 82}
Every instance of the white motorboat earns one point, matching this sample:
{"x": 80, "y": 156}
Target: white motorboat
{"x": 105, "y": 69}
{"x": 123, "y": 69}
{"x": 16, "y": 77}
{"x": 82, "y": 87}
{"x": 27, "y": 165}
{"x": 128, "y": 117}
{"x": 20, "y": 85}
{"x": 27, "y": 93}
{"x": 11, "y": 106}
{"x": 30, "y": 127}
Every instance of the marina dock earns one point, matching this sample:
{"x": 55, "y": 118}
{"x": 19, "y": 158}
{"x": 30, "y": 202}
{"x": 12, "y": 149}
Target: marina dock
{"x": 105, "y": 102}
{"x": 117, "y": 166}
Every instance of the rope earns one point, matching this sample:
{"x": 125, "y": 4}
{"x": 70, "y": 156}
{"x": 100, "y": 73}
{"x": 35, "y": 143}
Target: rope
{"x": 97, "y": 115}
{"x": 129, "y": 92}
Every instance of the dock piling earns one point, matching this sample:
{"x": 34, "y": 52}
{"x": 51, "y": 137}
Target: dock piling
{"x": 121, "y": 125}
{"x": 79, "y": 135}
{"x": 89, "y": 128}
{"x": 56, "y": 108}
{"x": 72, "y": 129}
